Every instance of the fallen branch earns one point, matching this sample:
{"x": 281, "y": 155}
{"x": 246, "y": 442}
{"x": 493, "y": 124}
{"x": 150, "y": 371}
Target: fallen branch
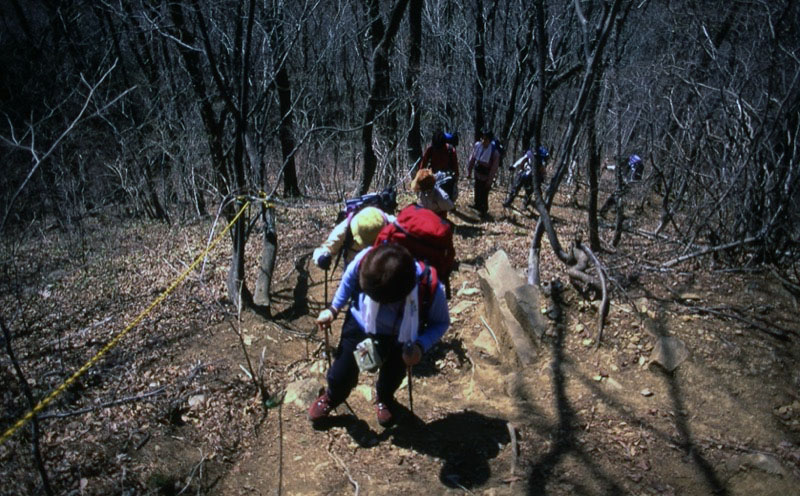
{"x": 792, "y": 288}
{"x": 108, "y": 404}
{"x": 711, "y": 249}
{"x": 198, "y": 467}
{"x": 772, "y": 331}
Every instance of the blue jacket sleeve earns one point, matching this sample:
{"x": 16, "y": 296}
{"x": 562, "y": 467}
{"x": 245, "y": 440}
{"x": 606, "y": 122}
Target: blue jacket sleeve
{"x": 349, "y": 284}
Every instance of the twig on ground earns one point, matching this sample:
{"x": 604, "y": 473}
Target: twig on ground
{"x": 343, "y": 467}
{"x": 280, "y": 449}
{"x": 492, "y": 333}
{"x": 771, "y": 330}
{"x": 198, "y": 467}
{"x": 258, "y": 382}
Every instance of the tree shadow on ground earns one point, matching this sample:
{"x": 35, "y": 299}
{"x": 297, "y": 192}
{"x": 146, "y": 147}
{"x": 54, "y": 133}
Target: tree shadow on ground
{"x": 467, "y": 232}
{"x": 466, "y": 216}
{"x": 514, "y": 219}
{"x": 476, "y": 261}
{"x": 299, "y": 306}
{"x": 685, "y": 440}
{"x": 544, "y": 469}
{"x": 427, "y": 367}
{"x": 465, "y": 441}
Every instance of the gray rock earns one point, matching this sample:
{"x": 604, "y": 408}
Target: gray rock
{"x": 669, "y": 353}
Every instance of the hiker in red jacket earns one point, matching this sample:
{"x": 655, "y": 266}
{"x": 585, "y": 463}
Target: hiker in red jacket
{"x": 441, "y": 156}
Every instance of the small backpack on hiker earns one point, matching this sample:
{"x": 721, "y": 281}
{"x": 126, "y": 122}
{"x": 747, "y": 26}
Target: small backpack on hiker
{"x": 427, "y": 236}
{"x": 386, "y": 200}
{"x": 356, "y": 228}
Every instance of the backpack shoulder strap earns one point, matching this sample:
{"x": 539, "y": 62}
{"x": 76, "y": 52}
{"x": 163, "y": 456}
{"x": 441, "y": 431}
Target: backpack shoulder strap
{"x": 348, "y": 243}
{"x": 452, "y": 159}
{"x": 428, "y": 282}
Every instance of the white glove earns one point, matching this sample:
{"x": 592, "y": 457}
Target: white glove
{"x": 325, "y": 317}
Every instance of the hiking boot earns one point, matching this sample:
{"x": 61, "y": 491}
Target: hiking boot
{"x": 385, "y": 417}
{"x": 321, "y": 408}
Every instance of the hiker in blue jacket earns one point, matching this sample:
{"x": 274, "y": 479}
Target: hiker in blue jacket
{"x": 399, "y": 304}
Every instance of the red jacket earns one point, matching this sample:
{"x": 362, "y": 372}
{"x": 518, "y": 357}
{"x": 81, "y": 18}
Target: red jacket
{"x": 441, "y": 159}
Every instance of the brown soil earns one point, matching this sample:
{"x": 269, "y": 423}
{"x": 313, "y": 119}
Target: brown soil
{"x": 579, "y": 421}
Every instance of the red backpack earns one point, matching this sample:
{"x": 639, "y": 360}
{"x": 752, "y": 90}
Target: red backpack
{"x": 426, "y": 235}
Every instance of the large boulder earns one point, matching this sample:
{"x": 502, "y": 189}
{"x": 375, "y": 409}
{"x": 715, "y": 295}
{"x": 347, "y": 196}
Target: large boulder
{"x": 512, "y": 309}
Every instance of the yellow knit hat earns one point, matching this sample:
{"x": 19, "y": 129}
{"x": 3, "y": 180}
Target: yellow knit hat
{"x": 366, "y": 225}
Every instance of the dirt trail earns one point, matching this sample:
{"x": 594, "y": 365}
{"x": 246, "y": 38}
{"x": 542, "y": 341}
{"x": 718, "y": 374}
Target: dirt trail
{"x": 579, "y": 421}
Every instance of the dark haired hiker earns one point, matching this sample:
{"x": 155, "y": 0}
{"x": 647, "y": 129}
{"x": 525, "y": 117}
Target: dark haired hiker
{"x": 485, "y": 160}
{"x": 384, "y": 286}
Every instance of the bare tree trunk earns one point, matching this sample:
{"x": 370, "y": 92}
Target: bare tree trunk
{"x": 283, "y": 86}
{"x": 380, "y": 84}
{"x": 414, "y": 139}
{"x": 592, "y": 167}
{"x": 269, "y": 252}
{"x": 591, "y": 72}
{"x": 23, "y": 382}
{"x": 480, "y": 67}
{"x": 523, "y": 55}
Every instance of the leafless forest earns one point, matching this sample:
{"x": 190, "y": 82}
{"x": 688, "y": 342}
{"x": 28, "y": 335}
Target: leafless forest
{"x": 179, "y": 110}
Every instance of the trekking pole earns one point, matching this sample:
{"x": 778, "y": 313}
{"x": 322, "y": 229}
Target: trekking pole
{"x": 408, "y": 348}
{"x": 410, "y": 393}
{"x": 327, "y": 327}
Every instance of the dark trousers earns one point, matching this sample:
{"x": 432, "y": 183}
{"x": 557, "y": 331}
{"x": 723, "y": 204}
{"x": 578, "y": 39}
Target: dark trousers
{"x": 343, "y": 374}
{"x": 523, "y": 179}
{"x": 482, "y": 188}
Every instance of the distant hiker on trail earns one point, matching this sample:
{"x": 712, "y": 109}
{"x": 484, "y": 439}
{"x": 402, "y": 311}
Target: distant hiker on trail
{"x": 485, "y": 160}
{"x": 400, "y": 306}
{"x": 351, "y": 236}
{"x": 527, "y": 164}
{"x": 636, "y": 168}
{"x": 451, "y": 138}
{"x": 429, "y": 194}
{"x": 441, "y": 156}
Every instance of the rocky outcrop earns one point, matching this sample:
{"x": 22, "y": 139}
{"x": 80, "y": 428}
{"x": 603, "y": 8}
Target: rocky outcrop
{"x": 512, "y": 309}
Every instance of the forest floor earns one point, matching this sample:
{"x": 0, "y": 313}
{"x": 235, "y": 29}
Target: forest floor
{"x": 171, "y": 410}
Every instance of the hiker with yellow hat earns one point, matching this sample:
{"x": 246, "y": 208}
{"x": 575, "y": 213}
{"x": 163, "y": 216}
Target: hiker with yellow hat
{"x": 351, "y": 236}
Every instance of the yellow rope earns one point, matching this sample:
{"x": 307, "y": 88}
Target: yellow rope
{"x": 116, "y": 339}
